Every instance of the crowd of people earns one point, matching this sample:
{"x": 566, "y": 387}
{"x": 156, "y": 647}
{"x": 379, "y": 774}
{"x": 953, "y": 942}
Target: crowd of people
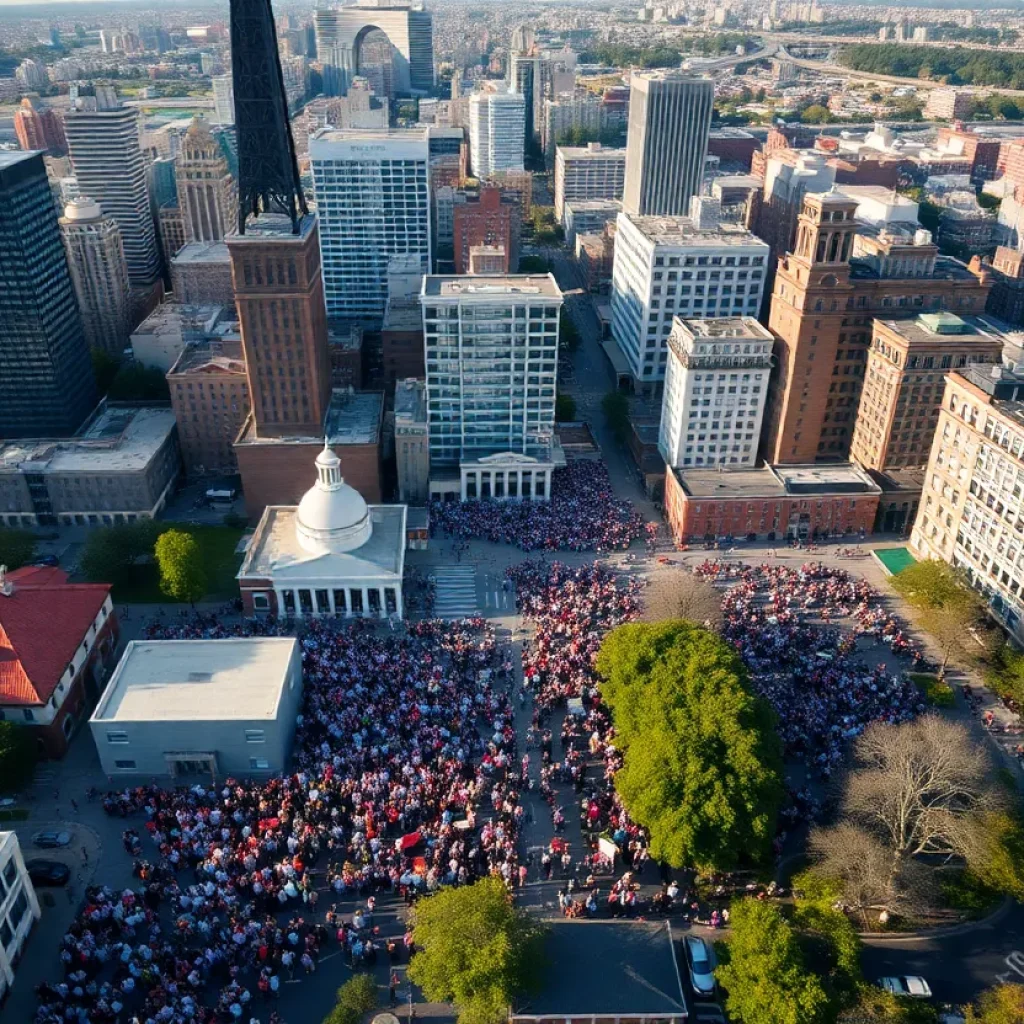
{"x": 404, "y": 779}
{"x": 582, "y": 515}
{"x": 782, "y": 620}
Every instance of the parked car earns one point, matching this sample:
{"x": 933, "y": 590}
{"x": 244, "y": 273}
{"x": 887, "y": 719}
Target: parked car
{"x": 702, "y": 976}
{"x": 50, "y": 839}
{"x": 913, "y": 986}
{"x": 50, "y": 560}
{"x": 48, "y": 872}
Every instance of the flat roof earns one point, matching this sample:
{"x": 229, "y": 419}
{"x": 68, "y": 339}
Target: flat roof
{"x": 607, "y": 969}
{"x": 825, "y": 478}
{"x": 728, "y": 327}
{"x": 594, "y": 205}
{"x": 682, "y": 231}
{"x": 174, "y": 680}
{"x": 583, "y": 153}
{"x": 944, "y": 328}
{"x": 484, "y": 286}
{"x": 353, "y": 417}
{"x": 10, "y": 157}
{"x": 202, "y": 252}
{"x": 411, "y": 399}
{"x": 273, "y": 225}
{"x": 223, "y": 355}
{"x": 776, "y": 481}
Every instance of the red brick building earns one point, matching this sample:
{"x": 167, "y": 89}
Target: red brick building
{"x": 487, "y": 221}
{"x": 982, "y": 151}
{"x": 772, "y": 503}
{"x": 57, "y": 645}
{"x": 40, "y": 129}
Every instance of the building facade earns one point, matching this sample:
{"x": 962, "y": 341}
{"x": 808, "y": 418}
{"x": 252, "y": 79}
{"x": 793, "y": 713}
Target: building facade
{"x": 666, "y": 267}
{"x": 373, "y": 203}
{"x": 223, "y": 99}
{"x": 948, "y": 105}
{"x": 201, "y": 275}
{"x": 19, "y": 908}
{"x": 669, "y": 122}
{"x": 716, "y": 385}
{"x": 497, "y": 129}
{"x": 485, "y": 221}
{"x": 568, "y": 112}
{"x": 40, "y": 129}
{"x": 1006, "y": 300}
{"x": 46, "y": 381}
{"x": 99, "y": 274}
{"x": 583, "y": 173}
{"x": 412, "y": 445}
{"x": 492, "y": 367}
{"x": 206, "y": 189}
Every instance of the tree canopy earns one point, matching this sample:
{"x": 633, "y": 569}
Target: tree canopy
{"x": 16, "y": 547}
{"x": 702, "y": 766}
{"x": 765, "y": 979}
{"x": 615, "y": 406}
{"x": 476, "y": 950}
{"x": 182, "y": 575}
{"x": 1001, "y": 1004}
{"x": 952, "y": 65}
{"x": 17, "y": 755}
{"x": 355, "y": 999}
{"x": 111, "y": 552}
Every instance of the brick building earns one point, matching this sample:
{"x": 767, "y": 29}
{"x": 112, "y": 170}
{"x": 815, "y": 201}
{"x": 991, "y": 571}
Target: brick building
{"x": 487, "y": 221}
{"x": 40, "y": 129}
{"x": 828, "y": 290}
{"x": 771, "y": 503}
{"x": 982, "y": 151}
{"x": 57, "y": 645}
{"x": 201, "y": 275}
{"x": 1006, "y": 300}
{"x": 210, "y": 398}
{"x": 733, "y": 146}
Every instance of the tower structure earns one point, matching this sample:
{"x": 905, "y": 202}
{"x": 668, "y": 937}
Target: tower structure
{"x": 268, "y": 173}
{"x": 206, "y": 190}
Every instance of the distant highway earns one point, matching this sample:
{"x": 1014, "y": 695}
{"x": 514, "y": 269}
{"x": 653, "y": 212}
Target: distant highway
{"x": 187, "y": 102}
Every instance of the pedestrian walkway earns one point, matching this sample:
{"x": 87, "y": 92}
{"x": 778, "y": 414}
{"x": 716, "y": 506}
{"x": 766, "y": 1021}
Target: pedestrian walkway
{"x": 455, "y": 591}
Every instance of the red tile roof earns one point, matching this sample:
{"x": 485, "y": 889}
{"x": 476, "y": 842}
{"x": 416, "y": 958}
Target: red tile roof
{"x": 37, "y": 575}
{"x": 42, "y": 623}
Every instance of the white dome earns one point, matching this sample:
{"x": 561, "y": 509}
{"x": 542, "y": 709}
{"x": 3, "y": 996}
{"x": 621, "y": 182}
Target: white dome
{"x": 332, "y": 517}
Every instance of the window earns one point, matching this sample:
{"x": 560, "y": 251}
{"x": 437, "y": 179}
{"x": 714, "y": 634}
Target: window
{"x": 19, "y": 908}
{"x": 10, "y": 872}
{"x": 259, "y": 763}
{"x": 255, "y": 736}
{"x": 116, "y": 737}
{"x": 260, "y": 602}
{"x": 28, "y": 715}
{"x": 125, "y": 766}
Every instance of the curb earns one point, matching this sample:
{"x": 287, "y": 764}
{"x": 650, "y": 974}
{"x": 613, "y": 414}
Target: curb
{"x": 877, "y": 938}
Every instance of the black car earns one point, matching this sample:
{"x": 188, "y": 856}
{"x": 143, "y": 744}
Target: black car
{"x": 48, "y": 872}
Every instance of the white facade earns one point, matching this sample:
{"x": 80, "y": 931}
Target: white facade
{"x": 373, "y": 201}
{"x": 223, "y": 99}
{"x": 19, "y": 907}
{"x": 497, "y": 131}
{"x": 716, "y": 384}
{"x": 568, "y": 111}
{"x": 492, "y": 368}
{"x": 665, "y": 267}
{"x": 587, "y": 172}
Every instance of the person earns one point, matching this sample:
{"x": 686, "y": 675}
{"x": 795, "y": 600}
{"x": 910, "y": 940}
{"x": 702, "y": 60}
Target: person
{"x": 393, "y": 989}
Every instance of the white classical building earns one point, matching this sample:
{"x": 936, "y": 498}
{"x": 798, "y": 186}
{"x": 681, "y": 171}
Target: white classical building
{"x": 332, "y": 554}
{"x": 19, "y": 907}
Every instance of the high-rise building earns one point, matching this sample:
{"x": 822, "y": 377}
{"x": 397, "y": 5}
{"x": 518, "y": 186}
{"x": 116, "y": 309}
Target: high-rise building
{"x": 496, "y": 132}
{"x": 970, "y": 512}
{"x": 491, "y": 348}
{"x": 32, "y": 76}
{"x": 223, "y": 99}
{"x": 40, "y": 129}
{"x": 587, "y": 172}
{"x": 164, "y": 178}
{"x": 906, "y": 368}
{"x": 530, "y": 75}
{"x": 485, "y": 221}
{"x": 110, "y": 168}
{"x": 206, "y": 190}
{"x": 716, "y": 386}
{"x": 669, "y": 266}
{"x": 568, "y": 112}
{"x": 99, "y": 273}
{"x": 46, "y": 380}
{"x": 841, "y": 275}
{"x": 373, "y": 203}
{"x": 669, "y": 122}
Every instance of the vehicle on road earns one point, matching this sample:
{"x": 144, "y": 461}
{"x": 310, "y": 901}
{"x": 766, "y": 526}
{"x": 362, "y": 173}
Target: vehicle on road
{"x": 48, "y": 872}
{"x": 51, "y": 839}
{"x": 702, "y": 977}
{"x": 708, "y": 1013}
{"x": 46, "y": 560}
{"x": 912, "y": 985}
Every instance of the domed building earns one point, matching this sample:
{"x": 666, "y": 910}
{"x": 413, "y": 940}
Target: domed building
{"x": 330, "y": 555}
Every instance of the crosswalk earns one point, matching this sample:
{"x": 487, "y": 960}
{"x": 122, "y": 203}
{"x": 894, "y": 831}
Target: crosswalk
{"x": 455, "y": 591}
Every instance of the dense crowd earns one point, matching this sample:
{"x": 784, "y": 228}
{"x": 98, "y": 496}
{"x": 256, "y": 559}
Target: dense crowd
{"x": 401, "y": 784}
{"x": 582, "y": 515}
{"x": 781, "y": 620}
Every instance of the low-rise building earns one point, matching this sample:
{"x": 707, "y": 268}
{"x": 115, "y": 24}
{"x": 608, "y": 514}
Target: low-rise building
{"x": 201, "y": 275}
{"x": 771, "y": 503}
{"x": 1006, "y": 300}
{"x": 205, "y": 708}
{"x": 948, "y": 105}
{"x": 19, "y": 908}
{"x": 588, "y": 217}
{"x": 161, "y": 338}
{"x": 345, "y": 347}
{"x": 57, "y": 642}
{"x": 587, "y": 172}
{"x": 412, "y": 446}
{"x": 120, "y": 467}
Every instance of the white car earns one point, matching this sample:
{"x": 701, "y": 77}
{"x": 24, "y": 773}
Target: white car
{"x": 912, "y": 986}
{"x": 702, "y": 977}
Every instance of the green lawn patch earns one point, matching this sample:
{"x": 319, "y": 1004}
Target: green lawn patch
{"x": 962, "y": 891}
{"x": 894, "y": 560}
{"x": 217, "y": 544}
{"x": 936, "y": 692}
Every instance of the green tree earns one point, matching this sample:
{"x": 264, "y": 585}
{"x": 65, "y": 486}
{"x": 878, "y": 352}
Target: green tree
{"x": 565, "y": 408}
{"x": 615, "y": 406}
{"x": 995, "y": 855}
{"x": 17, "y": 547}
{"x": 17, "y": 755}
{"x": 111, "y": 552}
{"x": 137, "y": 383}
{"x": 1001, "y": 1004}
{"x": 876, "y": 1006}
{"x": 1005, "y": 674}
{"x": 764, "y": 976}
{"x": 534, "y": 265}
{"x": 949, "y": 609}
{"x": 702, "y": 768}
{"x": 180, "y": 560}
{"x": 568, "y": 334}
{"x": 476, "y": 950}
{"x": 355, "y": 999}
{"x": 816, "y": 114}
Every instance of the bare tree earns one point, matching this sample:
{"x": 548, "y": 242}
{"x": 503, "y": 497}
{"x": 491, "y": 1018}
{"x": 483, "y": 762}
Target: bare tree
{"x": 678, "y": 594}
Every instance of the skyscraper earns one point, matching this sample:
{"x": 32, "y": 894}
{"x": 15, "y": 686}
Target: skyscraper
{"x": 223, "y": 99}
{"x": 373, "y": 203}
{"x": 40, "y": 129}
{"x": 110, "y": 168}
{"x": 206, "y": 190}
{"x": 497, "y": 130}
{"x": 46, "y": 381}
{"x": 99, "y": 273}
{"x": 669, "y": 122}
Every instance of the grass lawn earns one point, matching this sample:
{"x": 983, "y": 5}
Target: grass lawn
{"x": 217, "y": 544}
{"x": 937, "y": 693}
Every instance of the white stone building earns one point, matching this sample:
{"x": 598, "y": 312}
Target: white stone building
{"x": 716, "y": 384}
{"x": 19, "y": 907}
{"x": 497, "y": 132}
{"x": 667, "y": 267}
{"x": 491, "y": 348}
{"x": 587, "y": 172}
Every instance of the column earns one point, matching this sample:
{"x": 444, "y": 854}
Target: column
{"x": 330, "y": 602}
{"x": 348, "y": 602}
{"x": 383, "y": 614}
{"x": 279, "y": 595}
{"x": 504, "y": 485}
{"x": 298, "y": 604}
{"x": 398, "y": 601}
{"x": 462, "y": 476}
{"x": 547, "y": 484}
{"x": 366, "y": 601}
